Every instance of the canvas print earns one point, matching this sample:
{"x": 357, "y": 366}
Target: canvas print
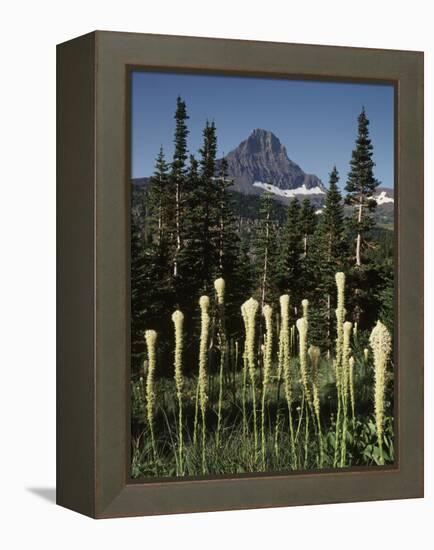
{"x": 262, "y": 275}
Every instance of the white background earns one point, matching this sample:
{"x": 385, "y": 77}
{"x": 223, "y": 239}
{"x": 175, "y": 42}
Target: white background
{"x": 29, "y": 33}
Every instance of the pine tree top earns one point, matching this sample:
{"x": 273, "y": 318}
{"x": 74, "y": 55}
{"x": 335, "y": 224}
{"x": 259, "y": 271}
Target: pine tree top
{"x": 209, "y": 150}
{"x": 332, "y": 216}
{"x": 161, "y": 166}
{"x": 180, "y": 138}
{"x": 361, "y": 182}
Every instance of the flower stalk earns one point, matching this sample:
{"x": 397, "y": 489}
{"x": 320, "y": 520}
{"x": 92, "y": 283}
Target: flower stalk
{"x": 267, "y": 312}
{"x": 285, "y": 344}
{"x": 248, "y": 310}
{"x": 219, "y": 286}
{"x": 302, "y": 328}
{"x": 315, "y": 354}
{"x": 304, "y": 375}
{"x": 203, "y": 359}
{"x": 351, "y": 383}
{"x": 347, "y": 327}
{"x": 381, "y": 344}
{"x": 340, "y": 316}
{"x": 178, "y": 321}
{"x": 151, "y": 339}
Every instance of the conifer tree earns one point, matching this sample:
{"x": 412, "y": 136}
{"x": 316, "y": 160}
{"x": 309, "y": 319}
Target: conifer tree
{"x": 159, "y": 198}
{"x": 189, "y": 282}
{"x": 192, "y": 253}
{"x": 361, "y": 185}
{"x": 386, "y": 310}
{"x": 290, "y": 260}
{"x": 243, "y": 276}
{"x": 233, "y": 262}
{"x": 199, "y": 257}
{"x": 209, "y": 207}
{"x": 177, "y": 179}
{"x": 329, "y": 256}
{"x": 138, "y": 288}
{"x": 332, "y": 223}
{"x": 150, "y": 262}
{"x": 307, "y": 223}
{"x": 228, "y": 240}
{"x": 308, "y": 268}
{"x": 266, "y": 249}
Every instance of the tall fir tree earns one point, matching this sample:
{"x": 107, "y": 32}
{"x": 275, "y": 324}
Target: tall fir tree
{"x": 191, "y": 254}
{"x": 191, "y": 258}
{"x": 138, "y": 289}
{"x": 290, "y": 258}
{"x": 228, "y": 241}
{"x": 385, "y": 294}
{"x": 361, "y": 185}
{"x": 151, "y": 278}
{"x": 233, "y": 262}
{"x": 159, "y": 199}
{"x": 178, "y": 180}
{"x": 209, "y": 207}
{"x": 265, "y": 250}
{"x": 332, "y": 224}
{"x": 201, "y": 234}
{"x": 329, "y": 257}
{"x": 308, "y": 221}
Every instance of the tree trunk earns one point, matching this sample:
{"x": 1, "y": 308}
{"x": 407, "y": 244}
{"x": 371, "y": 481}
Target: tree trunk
{"x": 160, "y": 224}
{"x": 221, "y": 246}
{"x": 328, "y": 324}
{"x": 146, "y": 224}
{"x": 222, "y": 232}
{"x": 359, "y": 236}
{"x": 178, "y": 230}
{"x": 358, "y": 261}
{"x": 264, "y": 277}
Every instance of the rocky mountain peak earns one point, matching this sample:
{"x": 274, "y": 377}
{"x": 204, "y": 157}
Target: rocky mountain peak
{"x": 263, "y": 140}
{"x": 263, "y": 159}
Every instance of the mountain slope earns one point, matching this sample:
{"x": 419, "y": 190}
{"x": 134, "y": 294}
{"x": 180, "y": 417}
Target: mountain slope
{"x": 261, "y": 161}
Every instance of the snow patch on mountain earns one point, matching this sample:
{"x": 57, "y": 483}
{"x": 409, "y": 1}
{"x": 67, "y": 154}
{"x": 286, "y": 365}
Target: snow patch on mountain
{"x": 382, "y": 198}
{"x": 288, "y": 193}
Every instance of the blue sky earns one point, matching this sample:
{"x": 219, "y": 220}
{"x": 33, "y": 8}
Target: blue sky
{"x": 316, "y": 121}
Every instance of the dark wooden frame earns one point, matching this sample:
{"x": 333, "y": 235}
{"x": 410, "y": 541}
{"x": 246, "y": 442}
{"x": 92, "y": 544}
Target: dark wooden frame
{"x": 93, "y": 430}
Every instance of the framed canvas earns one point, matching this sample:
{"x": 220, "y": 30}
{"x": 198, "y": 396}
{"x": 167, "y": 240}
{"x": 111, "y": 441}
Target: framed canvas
{"x": 240, "y": 274}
